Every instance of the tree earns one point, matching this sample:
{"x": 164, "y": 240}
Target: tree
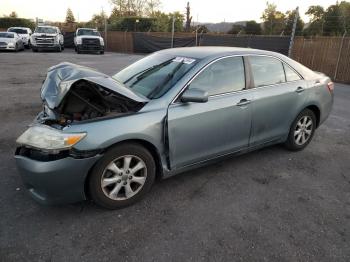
{"x": 252, "y": 28}
{"x": 98, "y": 20}
{"x": 332, "y": 21}
{"x": 236, "y": 29}
{"x": 70, "y": 16}
{"x": 13, "y": 14}
{"x": 274, "y": 20}
{"x": 188, "y": 18}
{"x": 290, "y": 17}
{"x": 345, "y": 15}
{"x": 316, "y": 14}
{"x": 124, "y": 8}
{"x": 152, "y": 7}
{"x": 161, "y": 23}
{"x": 179, "y": 21}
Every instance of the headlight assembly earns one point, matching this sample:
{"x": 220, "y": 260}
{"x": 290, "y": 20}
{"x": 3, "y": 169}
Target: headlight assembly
{"x": 101, "y": 41}
{"x": 48, "y": 138}
{"x": 11, "y": 44}
{"x": 78, "y": 41}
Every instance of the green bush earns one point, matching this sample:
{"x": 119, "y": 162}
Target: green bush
{"x": 6, "y": 22}
{"x": 129, "y": 24}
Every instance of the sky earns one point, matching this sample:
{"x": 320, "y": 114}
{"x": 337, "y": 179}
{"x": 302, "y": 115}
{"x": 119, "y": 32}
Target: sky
{"x": 203, "y": 10}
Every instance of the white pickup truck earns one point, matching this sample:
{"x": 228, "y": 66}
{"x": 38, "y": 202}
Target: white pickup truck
{"x": 47, "y": 38}
{"x": 88, "y": 39}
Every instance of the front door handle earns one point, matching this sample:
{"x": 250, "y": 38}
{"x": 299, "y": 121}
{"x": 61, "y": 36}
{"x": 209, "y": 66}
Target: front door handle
{"x": 300, "y": 89}
{"x": 243, "y": 102}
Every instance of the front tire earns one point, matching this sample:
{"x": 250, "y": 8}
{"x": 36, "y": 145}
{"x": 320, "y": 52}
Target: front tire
{"x": 122, "y": 177}
{"x": 301, "y": 131}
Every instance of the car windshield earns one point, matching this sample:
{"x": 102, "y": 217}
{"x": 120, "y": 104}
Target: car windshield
{"x": 155, "y": 74}
{"x": 18, "y": 30}
{"x": 7, "y": 35}
{"x": 46, "y": 30}
{"x": 88, "y": 32}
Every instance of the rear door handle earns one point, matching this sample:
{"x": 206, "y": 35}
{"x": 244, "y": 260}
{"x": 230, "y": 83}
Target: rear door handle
{"x": 243, "y": 102}
{"x": 300, "y": 89}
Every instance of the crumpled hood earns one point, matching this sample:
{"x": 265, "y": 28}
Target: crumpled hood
{"x": 60, "y": 78}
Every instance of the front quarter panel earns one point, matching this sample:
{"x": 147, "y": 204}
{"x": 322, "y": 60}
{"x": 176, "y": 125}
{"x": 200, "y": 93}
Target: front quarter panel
{"x": 146, "y": 126}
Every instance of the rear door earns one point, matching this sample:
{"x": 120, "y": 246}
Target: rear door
{"x": 200, "y": 131}
{"x": 278, "y": 96}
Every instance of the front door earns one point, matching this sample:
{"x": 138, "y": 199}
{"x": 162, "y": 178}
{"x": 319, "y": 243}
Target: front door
{"x": 200, "y": 131}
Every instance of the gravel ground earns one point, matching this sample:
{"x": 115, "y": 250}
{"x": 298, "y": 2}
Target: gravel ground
{"x": 269, "y": 205}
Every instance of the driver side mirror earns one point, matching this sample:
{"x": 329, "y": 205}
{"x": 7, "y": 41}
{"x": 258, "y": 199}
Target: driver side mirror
{"x": 194, "y": 95}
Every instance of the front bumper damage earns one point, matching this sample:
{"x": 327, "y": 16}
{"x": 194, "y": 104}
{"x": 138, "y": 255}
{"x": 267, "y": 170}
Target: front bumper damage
{"x": 53, "y": 180}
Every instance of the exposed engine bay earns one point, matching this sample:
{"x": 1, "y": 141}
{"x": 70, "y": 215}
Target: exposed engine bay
{"x": 86, "y": 100}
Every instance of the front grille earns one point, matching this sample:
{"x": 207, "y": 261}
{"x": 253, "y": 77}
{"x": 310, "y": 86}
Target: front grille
{"x": 3, "y": 44}
{"x": 91, "y": 43}
{"x": 45, "y": 40}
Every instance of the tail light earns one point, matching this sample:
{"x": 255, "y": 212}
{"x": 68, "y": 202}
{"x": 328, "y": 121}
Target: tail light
{"x": 330, "y": 86}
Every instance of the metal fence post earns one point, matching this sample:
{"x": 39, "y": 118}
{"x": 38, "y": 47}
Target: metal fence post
{"x": 339, "y": 55}
{"x": 172, "y": 32}
{"x": 293, "y": 31}
{"x": 105, "y": 33}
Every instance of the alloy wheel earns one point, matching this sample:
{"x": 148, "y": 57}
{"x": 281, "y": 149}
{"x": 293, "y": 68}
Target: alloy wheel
{"x": 124, "y": 177}
{"x": 303, "y": 130}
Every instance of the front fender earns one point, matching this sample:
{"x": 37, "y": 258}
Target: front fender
{"x": 101, "y": 134}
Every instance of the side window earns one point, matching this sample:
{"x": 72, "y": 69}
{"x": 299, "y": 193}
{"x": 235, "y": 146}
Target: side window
{"x": 291, "y": 75}
{"x": 223, "y": 76}
{"x": 267, "y": 70}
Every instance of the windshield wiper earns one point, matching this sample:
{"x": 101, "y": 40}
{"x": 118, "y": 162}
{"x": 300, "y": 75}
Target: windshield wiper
{"x": 165, "y": 81}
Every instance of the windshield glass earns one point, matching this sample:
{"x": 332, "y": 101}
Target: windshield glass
{"x": 46, "y": 30}
{"x": 88, "y": 32}
{"x": 18, "y": 30}
{"x": 7, "y": 35}
{"x": 155, "y": 74}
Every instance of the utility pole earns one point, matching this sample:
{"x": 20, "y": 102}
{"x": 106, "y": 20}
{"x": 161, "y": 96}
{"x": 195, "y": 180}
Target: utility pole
{"x": 172, "y": 32}
{"x": 293, "y": 31}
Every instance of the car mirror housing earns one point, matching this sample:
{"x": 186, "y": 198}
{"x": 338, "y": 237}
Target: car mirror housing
{"x": 194, "y": 95}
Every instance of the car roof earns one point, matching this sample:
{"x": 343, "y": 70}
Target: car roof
{"x": 85, "y": 28}
{"x": 201, "y": 52}
{"x": 18, "y": 27}
{"x": 47, "y": 26}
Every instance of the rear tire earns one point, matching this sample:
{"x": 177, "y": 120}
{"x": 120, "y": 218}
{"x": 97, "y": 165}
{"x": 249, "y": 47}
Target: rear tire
{"x": 122, "y": 177}
{"x": 301, "y": 131}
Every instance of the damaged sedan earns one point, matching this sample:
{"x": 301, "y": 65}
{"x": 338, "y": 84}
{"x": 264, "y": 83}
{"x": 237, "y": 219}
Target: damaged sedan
{"x": 108, "y": 138}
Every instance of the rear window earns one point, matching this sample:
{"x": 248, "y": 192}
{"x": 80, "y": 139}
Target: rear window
{"x": 291, "y": 75}
{"x": 46, "y": 30}
{"x": 18, "y": 30}
{"x": 88, "y": 32}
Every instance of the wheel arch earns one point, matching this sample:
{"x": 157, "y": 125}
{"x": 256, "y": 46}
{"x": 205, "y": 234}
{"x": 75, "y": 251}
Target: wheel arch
{"x": 316, "y": 110}
{"x": 144, "y": 143}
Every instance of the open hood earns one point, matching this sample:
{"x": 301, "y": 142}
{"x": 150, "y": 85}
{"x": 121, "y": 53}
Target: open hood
{"x": 61, "y": 77}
